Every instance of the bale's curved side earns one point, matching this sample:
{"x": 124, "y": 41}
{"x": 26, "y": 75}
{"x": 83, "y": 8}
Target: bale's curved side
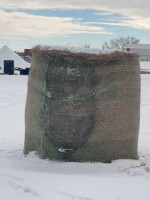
{"x": 83, "y": 107}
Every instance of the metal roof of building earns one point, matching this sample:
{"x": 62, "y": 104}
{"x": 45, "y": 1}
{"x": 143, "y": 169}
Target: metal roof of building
{"x": 138, "y": 46}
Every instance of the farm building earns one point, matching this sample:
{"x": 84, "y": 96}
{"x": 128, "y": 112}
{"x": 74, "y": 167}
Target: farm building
{"x": 6, "y": 54}
{"x": 142, "y": 49}
{"x": 26, "y": 55}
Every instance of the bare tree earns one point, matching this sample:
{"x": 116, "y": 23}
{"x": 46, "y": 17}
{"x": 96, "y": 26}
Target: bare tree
{"x": 120, "y": 42}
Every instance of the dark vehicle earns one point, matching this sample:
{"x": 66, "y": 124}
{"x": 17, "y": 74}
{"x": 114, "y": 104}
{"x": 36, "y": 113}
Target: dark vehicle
{"x": 24, "y": 71}
{"x": 9, "y": 67}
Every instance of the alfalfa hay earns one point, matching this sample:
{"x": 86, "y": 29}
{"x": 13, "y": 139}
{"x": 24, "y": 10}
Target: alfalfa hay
{"x": 83, "y": 106}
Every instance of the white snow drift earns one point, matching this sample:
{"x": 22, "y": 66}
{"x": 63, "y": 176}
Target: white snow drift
{"x": 7, "y": 54}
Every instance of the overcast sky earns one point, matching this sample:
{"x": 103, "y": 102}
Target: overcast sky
{"x": 25, "y": 23}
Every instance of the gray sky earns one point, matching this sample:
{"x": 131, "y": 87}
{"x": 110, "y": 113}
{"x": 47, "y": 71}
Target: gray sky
{"x": 66, "y": 22}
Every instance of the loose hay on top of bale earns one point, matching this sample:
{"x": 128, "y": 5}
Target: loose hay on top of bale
{"x": 83, "y": 106}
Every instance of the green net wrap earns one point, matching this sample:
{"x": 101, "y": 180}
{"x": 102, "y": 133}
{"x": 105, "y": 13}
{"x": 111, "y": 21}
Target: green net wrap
{"x": 83, "y": 107}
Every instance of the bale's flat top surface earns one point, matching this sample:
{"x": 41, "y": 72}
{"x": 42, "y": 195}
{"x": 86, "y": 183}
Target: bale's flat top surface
{"x": 80, "y": 50}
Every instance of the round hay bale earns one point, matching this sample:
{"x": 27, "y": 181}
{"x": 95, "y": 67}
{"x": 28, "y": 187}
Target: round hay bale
{"x": 83, "y": 106}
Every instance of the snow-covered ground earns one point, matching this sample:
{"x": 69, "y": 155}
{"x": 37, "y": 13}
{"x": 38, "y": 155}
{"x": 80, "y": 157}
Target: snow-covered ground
{"x": 145, "y": 66}
{"x": 29, "y": 178}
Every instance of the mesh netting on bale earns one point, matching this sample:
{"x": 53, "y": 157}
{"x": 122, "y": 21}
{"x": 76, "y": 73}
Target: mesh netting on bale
{"x": 83, "y": 106}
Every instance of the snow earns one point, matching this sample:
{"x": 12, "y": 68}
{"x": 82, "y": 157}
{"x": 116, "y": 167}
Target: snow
{"x": 30, "y": 178}
{"x": 145, "y": 66}
{"x": 7, "y": 54}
